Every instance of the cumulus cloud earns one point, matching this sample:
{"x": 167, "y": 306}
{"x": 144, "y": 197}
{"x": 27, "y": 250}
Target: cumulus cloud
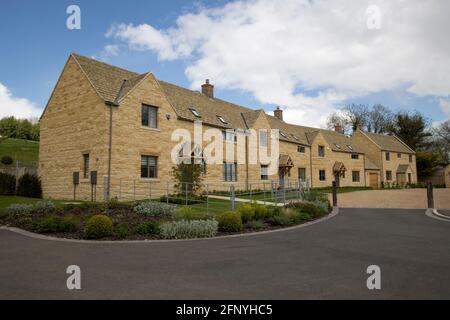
{"x": 445, "y": 106}
{"x": 308, "y": 56}
{"x": 17, "y": 107}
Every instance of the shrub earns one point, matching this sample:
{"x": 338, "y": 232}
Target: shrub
{"x": 29, "y": 186}
{"x": 114, "y": 204}
{"x": 287, "y": 217}
{"x": 122, "y": 231}
{"x": 186, "y": 213}
{"x": 7, "y": 160}
{"x": 282, "y": 220}
{"x": 256, "y": 225}
{"x": 148, "y": 228}
{"x": 155, "y": 209}
{"x": 230, "y": 222}
{"x": 98, "y": 226}
{"x": 308, "y": 207}
{"x": 55, "y": 224}
{"x": 261, "y": 211}
{"x": 7, "y": 184}
{"x": 247, "y": 213}
{"x": 44, "y": 206}
{"x": 313, "y": 195}
{"x": 19, "y": 209}
{"x": 304, "y": 216}
{"x": 189, "y": 229}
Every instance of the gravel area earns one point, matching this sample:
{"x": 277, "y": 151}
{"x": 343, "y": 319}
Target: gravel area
{"x": 402, "y": 198}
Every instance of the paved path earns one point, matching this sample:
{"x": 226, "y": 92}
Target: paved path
{"x": 394, "y": 198}
{"x": 326, "y": 260}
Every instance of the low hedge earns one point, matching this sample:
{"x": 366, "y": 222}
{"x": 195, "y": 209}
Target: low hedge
{"x": 55, "y": 224}
{"x": 148, "y": 228}
{"x": 230, "y": 221}
{"x": 155, "y": 209}
{"x": 7, "y": 184}
{"x": 98, "y": 226}
{"x": 189, "y": 229}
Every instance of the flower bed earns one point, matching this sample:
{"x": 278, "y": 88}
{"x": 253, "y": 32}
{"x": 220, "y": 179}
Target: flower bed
{"x": 154, "y": 220}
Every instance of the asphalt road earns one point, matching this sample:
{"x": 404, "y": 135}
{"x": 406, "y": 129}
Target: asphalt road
{"x": 327, "y": 260}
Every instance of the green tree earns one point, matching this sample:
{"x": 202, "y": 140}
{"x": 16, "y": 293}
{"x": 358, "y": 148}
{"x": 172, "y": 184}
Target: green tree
{"x": 411, "y": 128}
{"x": 8, "y": 127}
{"x": 427, "y": 161}
{"x": 188, "y": 176}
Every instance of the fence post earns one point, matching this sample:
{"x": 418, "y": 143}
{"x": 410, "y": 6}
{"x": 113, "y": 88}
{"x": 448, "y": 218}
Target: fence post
{"x": 271, "y": 189}
{"x": 334, "y": 194}
{"x": 250, "y": 187}
{"x": 207, "y": 200}
{"x": 186, "y": 188}
{"x": 232, "y": 198}
{"x": 150, "y": 190}
{"x": 299, "y": 189}
{"x": 167, "y": 192}
{"x": 430, "y": 197}
{"x": 264, "y": 193}
{"x": 120, "y": 189}
{"x": 284, "y": 194}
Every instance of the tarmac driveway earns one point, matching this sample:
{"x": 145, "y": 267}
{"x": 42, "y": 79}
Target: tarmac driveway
{"x": 322, "y": 261}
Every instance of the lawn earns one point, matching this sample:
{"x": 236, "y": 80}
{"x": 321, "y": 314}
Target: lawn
{"x": 6, "y": 201}
{"x": 22, "y": 150}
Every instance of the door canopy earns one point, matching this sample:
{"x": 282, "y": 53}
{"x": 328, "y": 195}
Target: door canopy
{"x": 339, "y": 168}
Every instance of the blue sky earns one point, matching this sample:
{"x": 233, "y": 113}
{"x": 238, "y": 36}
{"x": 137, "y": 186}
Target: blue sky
{"x": 184, "y": 43}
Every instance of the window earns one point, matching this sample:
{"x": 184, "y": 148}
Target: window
{"x": 283, "y": 134}
{"x": 149, "y": 116}
{"x": 355, "y": 176}
{"x": 229, "y": 171}
{"x": 355, "y": 156}
{"x": 388, "y": 175}
{"x": 148, "y": 166}
{"x": 322, "y": 176}
{"x": 321, "y": 151}
{"x": 262, "y": 138}
{"x": 229, "y": 135}
{"x": 301, "y": 149}
{"x": 302, "y": 174}
{"x": 388, "y": 156}
{"x": 399, "y": 155}
{"x": 410, "y": 158}
{"x": 337, "y": 145}
{"x": 86, "y": 165}
{"x": 264, "y": 172}
{"x": 221, "y": 119}
{"x": 195, "y": 113}
{"x": 295, "y": 137}
{"x": 350, "y": 147}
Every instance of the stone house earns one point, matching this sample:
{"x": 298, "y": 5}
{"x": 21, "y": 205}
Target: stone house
{"x": 119, "y": 124}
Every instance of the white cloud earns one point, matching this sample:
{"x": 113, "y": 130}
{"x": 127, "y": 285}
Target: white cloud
{"x": 17, "y": 107}
{"x": 445, "y": 106}
{"x": 279, "y": 50}
{"x": 111, "y": 49}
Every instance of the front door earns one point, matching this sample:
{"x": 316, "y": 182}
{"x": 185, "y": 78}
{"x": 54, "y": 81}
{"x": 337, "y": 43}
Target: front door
{"x": 373, "y": 180}
{"x": 409, "y": 178}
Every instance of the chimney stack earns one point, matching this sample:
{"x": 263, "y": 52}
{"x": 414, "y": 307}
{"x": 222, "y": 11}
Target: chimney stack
{"x": 208, "y": 89}
{"x": 338, "y": 128}
{"x": 278, "y": 113}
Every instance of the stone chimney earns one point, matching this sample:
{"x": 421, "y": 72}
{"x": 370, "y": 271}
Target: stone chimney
{"x": 338, "y": 128}
{"x": 208, "y": 89}
{"x": 278, "y": 113}
{"x": 359, "y": 126}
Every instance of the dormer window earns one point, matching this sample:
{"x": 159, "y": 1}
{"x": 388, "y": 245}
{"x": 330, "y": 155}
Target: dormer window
{"x": 350, "y": 147}
{"x": 283, "y": 134}
{"x": 295, "y": 137}
{"x": 195, "y": 113}
{"x": 337, "y": 145}
{"x": 221, "y": 119}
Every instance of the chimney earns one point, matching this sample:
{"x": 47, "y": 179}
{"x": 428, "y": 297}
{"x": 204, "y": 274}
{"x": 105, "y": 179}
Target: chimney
{"x": 338, "y": 128}
{"x": 359, "y": 126}
{"x": 208, "y": 89}
{"x": 278, "y": 113}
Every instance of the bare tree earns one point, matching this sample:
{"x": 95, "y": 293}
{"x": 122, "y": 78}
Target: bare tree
{"x": 379, "y": 119}
{"x": 338, "y": 119}
{"x": 358, "y": 115}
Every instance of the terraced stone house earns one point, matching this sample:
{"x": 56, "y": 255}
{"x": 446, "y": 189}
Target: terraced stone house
{"x": 116, "y": 123}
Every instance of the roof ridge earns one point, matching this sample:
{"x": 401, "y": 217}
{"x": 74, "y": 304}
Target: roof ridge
{"x": 104, "y": 63}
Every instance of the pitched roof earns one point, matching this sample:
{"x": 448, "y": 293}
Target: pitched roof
{"x": 369, "y": 165}
{"x": 389, "y": 143}
{"x": 339, "y": 142}
{"x": 403, "y": 168}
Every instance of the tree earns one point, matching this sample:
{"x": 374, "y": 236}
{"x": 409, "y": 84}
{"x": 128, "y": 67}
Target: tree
{"x": 8, "y": 127}
{"x": 11, "y": 127}
{"x": 427, "y": 162}
{"x": 357, "y": 114}
{"x": 379, "y": 119}
{"x": 338, "y": 119}
{"x": 411, "y": 128}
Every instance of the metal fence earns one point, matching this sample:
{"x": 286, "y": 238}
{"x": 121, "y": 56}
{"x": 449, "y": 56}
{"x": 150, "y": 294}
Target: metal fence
{"x": 19, "y": 168}
{"x": 207, "y": 197}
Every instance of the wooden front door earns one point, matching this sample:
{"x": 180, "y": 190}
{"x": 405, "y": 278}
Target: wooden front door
{"x": 373, "y": 180}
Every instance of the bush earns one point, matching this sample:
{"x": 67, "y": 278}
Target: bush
{"x": 7, "y": 160}
{"x": 148, "y": 228}
{"x": 308, "y": 207}
{"x": 55, "y": 224}
{"x": 230, "y": 222}
{"x": 44, "y": 206}
{"x": 189, "y": 229}
{"x": 122, "y": 231}
{"x": 247, "y": 213}
{"x": 155, "y": 209}
{"x": 256, "y": 225}
{"x": 98, "y": 226}
{"x": 114, "y": 204}
{"x": 290, "y": 216}
{"x": 186, "y": 213}
{"x": 304, "y": 216}
{"x": 7, "y": 184}
{"x": 19, "y": 209}
{"x": 282, "y": 220}
{"x": 261, "y": 211}
{"x": 29, "y": 186}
